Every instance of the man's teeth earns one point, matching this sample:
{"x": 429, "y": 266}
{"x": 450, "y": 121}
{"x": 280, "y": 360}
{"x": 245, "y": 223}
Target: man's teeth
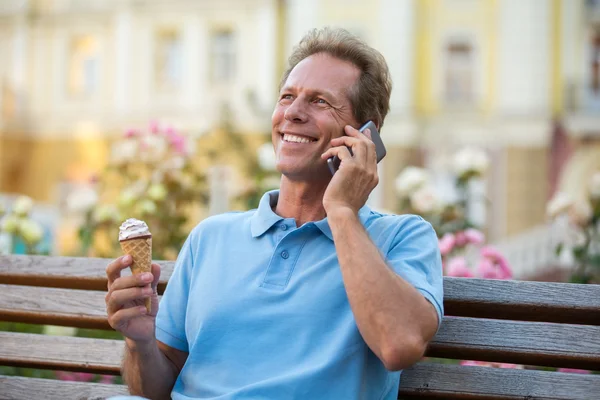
{"x": 297, "y": 139}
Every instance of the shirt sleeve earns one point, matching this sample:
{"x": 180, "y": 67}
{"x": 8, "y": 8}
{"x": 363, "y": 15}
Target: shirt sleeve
{"x": 170, "y": 320}
{"x": 415, "y": 256}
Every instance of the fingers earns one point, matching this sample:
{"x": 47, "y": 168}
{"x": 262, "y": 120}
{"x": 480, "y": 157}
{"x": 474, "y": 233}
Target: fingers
{"x": 341, "y": 151}
{"x": 115, "y": 299}
{"x": 156, "y": 273}
{"x": 126, "y": 282}
{"x": 113, "y": 270}
{"x": 119, "y": 319}
{"x": 360, "y": 143}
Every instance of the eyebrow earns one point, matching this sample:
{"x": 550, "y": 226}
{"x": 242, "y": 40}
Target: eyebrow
{"x": 321, "y": 92}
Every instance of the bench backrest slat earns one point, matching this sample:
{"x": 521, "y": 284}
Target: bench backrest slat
{"x": 517, "y": 342}
{"x": 101, "y": 356}
{"x": 523, "y": 300}
{"x": 19, "y": 388}
{"x": 532, "y": 343}
{"x": 483, "y": 298}
{"x": 439, "y": 381}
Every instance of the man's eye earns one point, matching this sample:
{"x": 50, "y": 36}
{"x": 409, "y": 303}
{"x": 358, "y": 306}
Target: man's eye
{"x": 286, "y": 97}
{"x": 321, "y": 101}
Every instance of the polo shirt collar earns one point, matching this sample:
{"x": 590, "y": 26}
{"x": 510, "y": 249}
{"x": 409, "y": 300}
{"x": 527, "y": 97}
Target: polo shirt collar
{"x": 264, "y": 217}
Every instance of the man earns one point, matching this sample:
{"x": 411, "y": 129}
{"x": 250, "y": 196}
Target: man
{"x": 311, "y": 296}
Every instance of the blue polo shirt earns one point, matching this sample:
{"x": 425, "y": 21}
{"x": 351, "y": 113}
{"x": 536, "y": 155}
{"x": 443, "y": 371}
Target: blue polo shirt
{"x": 260, "y": 306}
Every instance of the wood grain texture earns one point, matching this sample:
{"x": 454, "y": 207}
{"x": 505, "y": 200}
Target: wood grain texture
{"x": 19, "y": 388}
{"x": 529, "y": 343}
{"x": 520, "y": 300}
{"x": 67, "y": 307}
{"x": 100, "y": 356}
{"x": 65, "y": 272}
{"x": 532, "y": 343}
{"x": 438, "y": 381}
{"x": 484, "y": 298}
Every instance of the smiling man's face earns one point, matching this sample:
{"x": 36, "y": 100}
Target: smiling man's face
{"x": 312, "y": 109}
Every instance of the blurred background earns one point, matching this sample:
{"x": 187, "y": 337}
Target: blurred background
{"x": 160, "y": 110}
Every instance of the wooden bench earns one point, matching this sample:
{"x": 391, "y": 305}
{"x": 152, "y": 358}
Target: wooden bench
{"x": 530, "y": 323}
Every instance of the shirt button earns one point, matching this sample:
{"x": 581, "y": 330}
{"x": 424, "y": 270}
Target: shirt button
{"x": 285, "y": 255}
{"x": 283, "y": 227}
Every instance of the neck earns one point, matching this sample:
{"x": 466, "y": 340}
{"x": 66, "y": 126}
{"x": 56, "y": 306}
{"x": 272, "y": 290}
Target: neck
{"x": 301, "y": 200}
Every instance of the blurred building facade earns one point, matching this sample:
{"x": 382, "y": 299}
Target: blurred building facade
{"x": 519, "y": 78}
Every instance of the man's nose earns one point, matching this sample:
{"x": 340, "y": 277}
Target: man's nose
{"x": 296, "y": 112}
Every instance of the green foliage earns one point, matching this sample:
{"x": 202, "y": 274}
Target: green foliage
{"x": 152, "y": 177}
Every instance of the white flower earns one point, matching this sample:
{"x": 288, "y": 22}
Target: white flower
{"x": 559, "y": 204}
{"x": 10, "y": 224}
{"x": 30, "y": 231}
{"x": 424, "y": 200}
{"x": 581, "y": 213}
{"x": 190, "y": 147}
{"x": 106, "y": 213}
{"x": 153, "y": 148}
{"x": 22, "y": 206}
{"x": 595, "y": 186}
{"x": 173, "y": 163}
{"x": 82, "y": 200}
{"x": 124, "y": 151}
{"x": 411, "y": 179}
{"x": 470, "y": 160}
{"x": 157, "y": 192}
{"x": 266, "y": 157}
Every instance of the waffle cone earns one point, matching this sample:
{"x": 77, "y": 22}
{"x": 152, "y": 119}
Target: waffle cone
{"x": 140, "y": 250}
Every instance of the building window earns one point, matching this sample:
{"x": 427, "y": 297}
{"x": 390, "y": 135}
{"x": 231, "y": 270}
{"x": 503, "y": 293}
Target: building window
{"x": 168, "y": 60}
{"x": 82, "y": 80}
{"x": 223, "y": 57}
{"x": 459, "y": 73}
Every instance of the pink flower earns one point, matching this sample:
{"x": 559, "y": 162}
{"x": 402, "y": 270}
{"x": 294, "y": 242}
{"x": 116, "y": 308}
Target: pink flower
{"x": 574, "y": 371}
{"x": 469, "y": 363}
{"x": 498, "y": 260}
{"x": 446, "y": 243}
{"x": 65, "y": 376}
{"x": 510, "y": 366}
{"x": 107, "y": 379}
{"x": 74, "y": 376}
{"x": 460, "y": 239}
{"x": 178, "y": 143}
{"x": 457, "y": 267}
{"x": 154, "y": 127}
{"x": 131, "y": 133}
{"x": 490, "y": 364}
{"x": 83, "y": 376}
{"x": 474, "y": 236}
{"x": 486, "y": 269}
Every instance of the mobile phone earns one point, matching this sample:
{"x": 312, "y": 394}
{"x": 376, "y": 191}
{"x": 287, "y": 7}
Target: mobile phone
{"x": 334, "y": 162}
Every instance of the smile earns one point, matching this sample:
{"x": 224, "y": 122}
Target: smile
{"x": 297, "y": 139}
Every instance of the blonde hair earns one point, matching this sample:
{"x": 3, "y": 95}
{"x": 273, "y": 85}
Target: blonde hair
{"x": 370, "y": 96}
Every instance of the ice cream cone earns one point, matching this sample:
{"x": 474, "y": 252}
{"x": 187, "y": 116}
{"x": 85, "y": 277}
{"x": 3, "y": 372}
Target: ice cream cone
{"x": 140, "y": 250}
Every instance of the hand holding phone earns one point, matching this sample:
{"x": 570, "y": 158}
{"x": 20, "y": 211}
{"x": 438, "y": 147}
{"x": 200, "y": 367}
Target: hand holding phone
{"x": 334, "y": 162}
